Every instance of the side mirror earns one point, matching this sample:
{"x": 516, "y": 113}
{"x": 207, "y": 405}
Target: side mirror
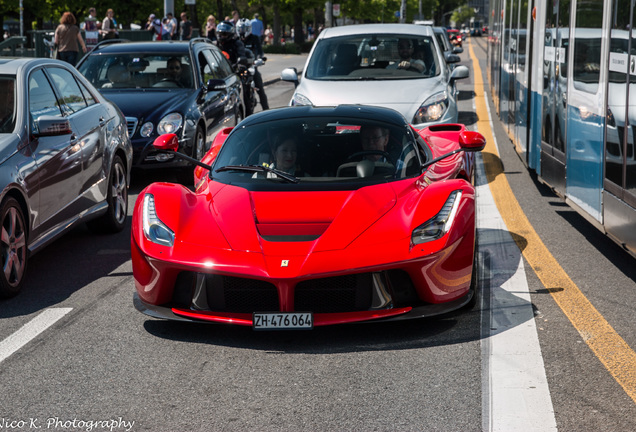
{"x": 215, "y": 85}
{"x": 290, "y": 75}
{"x": 459, "y": 72}
{"x": 451, "y": 58}
{"x": 472, "y": 141}
{"x": 48, "y": 125}
{"x": 168, "y": 142}
{"x": 458, "y": 50}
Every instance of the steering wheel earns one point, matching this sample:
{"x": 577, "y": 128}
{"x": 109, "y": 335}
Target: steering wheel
{"x": 370, "y": 152}
{"x": 168, "y": 80}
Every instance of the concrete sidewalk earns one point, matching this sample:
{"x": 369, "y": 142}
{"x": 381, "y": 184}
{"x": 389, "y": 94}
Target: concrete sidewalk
{"x": 277, "y": 62}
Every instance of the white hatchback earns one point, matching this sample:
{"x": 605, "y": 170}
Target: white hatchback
{"x": 398, "y": 66}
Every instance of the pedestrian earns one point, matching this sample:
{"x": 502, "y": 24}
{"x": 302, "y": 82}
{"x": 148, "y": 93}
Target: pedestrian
{"x": 258, "y": 31}
{"x": 235, "y": 17}
{"x": 67, "y": 37}
{"x": 166, "y": 29}
{"x": 174, "y": 26}
{"x": 185, "y": 30}
{"x": 153, "y": 25}
{"x": 109, "y": 26}
{"x": 210, "y": 28}
{"x": 91, "y": 30}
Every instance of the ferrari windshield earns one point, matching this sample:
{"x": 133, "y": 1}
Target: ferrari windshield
{"x": 139, "y": 70}
{"x": 374, "y": 57}
{"x": 318, "y": 149}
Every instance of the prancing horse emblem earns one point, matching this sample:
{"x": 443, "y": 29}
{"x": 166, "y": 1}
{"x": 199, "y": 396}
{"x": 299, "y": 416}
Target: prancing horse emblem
{"x": 284, "y": 263}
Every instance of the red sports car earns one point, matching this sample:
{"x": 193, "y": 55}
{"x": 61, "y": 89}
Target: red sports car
{"x": 311, "y": 216}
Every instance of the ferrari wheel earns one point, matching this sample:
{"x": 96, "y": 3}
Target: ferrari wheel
{"x": 117, "y": 199}
{"x": 14, "y": 248}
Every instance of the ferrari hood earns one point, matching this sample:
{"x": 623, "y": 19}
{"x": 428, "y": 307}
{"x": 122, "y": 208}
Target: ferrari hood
{"x": 404, "y": 96}
{"x": 302, "y": 221}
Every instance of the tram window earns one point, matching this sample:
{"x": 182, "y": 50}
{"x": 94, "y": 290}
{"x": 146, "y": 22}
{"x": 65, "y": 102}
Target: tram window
{"x": 587, "y": 63}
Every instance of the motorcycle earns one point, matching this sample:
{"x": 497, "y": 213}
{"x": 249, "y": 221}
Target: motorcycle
{"x": 247, "y": 69}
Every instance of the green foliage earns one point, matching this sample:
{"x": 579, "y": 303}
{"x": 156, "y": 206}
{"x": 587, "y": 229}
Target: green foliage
{"x": 463, "y": 14}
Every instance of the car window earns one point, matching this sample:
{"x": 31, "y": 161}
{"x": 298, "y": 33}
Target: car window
{"x": 223, "y": 62}
{"x": 42, "y": 100}
{"x": 375, "y": 57}
{"x": 209, "y": 66}
{"x": 344, "y": 151}
{"x": 139, "y": 70}
{"x": 71, "y": 96}
{"x": 88, "y": 96}
{"x": 7, "y": 108}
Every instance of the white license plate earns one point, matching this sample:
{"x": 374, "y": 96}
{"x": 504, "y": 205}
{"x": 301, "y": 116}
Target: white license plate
{"x": 282, "y": 321}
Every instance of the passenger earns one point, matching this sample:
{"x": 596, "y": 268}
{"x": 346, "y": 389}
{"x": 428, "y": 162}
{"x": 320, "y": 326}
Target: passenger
{"x": 406, "y": 50}
{"x": 285, "y": 153}
{"x": 374, "y": 138}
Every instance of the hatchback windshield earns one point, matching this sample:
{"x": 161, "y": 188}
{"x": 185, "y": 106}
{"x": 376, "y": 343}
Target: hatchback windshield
{"x": 7, "y": 108}
{"x": 383, "y": 56}
{"x": 122, "y": 71}
{"x": 318, "y": 149}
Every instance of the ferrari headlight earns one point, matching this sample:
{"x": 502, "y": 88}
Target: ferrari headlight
{"x": 439, "y": 225}
{"x": 170, "y": 123}
{"x": 299, "y": 99}
{"x": 154, "y": 229}
{"x": 432, "y": 109}
{"x": 146, "y": 129}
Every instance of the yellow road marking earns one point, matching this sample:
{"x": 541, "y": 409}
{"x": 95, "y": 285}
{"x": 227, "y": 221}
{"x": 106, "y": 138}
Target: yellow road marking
{"x": 598, "y": 334}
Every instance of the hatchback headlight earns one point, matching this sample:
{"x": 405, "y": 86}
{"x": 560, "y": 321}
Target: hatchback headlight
{"x": 154, "y": 229}
{"x": 299, "y": 99}
{"x": 170, "y": 123}
{"x": 432, "y": 109}
{"x": 440, "y": 224}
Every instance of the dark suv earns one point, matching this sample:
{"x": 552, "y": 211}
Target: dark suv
{"x": 187, "y": 88}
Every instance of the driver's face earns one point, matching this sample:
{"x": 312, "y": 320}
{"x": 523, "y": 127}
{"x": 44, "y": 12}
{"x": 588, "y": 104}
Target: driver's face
{"x": 174, "y": 69}
{"x": 374, "y": 139}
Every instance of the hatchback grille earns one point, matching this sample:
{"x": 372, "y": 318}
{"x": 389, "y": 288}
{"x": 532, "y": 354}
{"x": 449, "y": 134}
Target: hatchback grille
{"x": 131, "y": 122}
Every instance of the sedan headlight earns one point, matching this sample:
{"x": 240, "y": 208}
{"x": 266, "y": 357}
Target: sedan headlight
{"x": 432, "y": 109}
{"x": 439, "y": 225}
{"x": 170, "y": 123}
{"x": 299, "y": 99}
{"x": 154, "y": 229}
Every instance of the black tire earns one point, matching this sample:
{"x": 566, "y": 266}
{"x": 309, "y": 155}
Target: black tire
{"x": 114, "y": 219}
{"x": 13, "y": 241}
{"x": 198, "y": 146}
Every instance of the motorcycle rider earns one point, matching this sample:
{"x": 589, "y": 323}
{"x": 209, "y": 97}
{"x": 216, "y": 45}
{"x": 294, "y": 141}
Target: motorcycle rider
{"x": 229, "y": 41}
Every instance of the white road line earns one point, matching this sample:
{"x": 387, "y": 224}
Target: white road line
{"x": 515, "y": 393}
{"x": 30, "y": 331}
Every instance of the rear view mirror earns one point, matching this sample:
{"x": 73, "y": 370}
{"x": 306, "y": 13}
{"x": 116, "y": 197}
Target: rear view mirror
{"x": 168, "y": 142}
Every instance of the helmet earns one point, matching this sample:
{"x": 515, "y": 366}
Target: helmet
{"x": 244, "y": 27}
{"x": 225, "y": 31}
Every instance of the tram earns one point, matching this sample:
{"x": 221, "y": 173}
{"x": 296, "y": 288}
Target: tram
{"x": 562, "y": 75}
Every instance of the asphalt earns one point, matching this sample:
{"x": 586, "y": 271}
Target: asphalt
{"x": 277, "y": 62}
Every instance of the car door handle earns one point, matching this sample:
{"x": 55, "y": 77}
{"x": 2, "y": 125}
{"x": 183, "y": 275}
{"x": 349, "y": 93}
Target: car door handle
{"x": 102, "y": 121}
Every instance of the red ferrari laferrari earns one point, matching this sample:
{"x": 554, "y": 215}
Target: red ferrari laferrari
{"x": 311, "y": 216}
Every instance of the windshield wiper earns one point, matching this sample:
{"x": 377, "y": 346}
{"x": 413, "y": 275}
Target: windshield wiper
{"x": 260, "y": 168}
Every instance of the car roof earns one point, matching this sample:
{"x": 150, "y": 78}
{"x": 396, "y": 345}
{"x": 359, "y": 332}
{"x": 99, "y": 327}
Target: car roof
{"x": 365, "y": 112}
{"x": 407, "y": 29}
{"x": 11, "y": 65}
{"x": 122, "y": 46}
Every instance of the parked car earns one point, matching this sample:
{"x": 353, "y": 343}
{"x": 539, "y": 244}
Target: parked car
{"x": 312, "y": 216}
{"x": 187, "y": 88}
{"x": 65, "y": 158}
{"x": 362, "y": 64}
{"x": 451, "y": 52}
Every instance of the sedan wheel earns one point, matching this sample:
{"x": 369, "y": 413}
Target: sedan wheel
{"x": 14, "y": 248}
{"x": 199, "y": 144}
{"x": 117, "y": 200}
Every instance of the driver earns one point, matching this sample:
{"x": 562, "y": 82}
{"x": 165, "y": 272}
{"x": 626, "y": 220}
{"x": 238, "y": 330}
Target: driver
{"x": 374, "y": 138}
{"x": 174, "y": 70}
{"x": 406, "y": 49}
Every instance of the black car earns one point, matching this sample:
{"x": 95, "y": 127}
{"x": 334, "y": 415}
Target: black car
{"x": 187, "y": 88}
{"x": 65, "y": 158}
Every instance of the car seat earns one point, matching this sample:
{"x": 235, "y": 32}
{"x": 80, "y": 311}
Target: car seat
{"x": 345, "y": 61}
{"x": 119, "y": 77}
